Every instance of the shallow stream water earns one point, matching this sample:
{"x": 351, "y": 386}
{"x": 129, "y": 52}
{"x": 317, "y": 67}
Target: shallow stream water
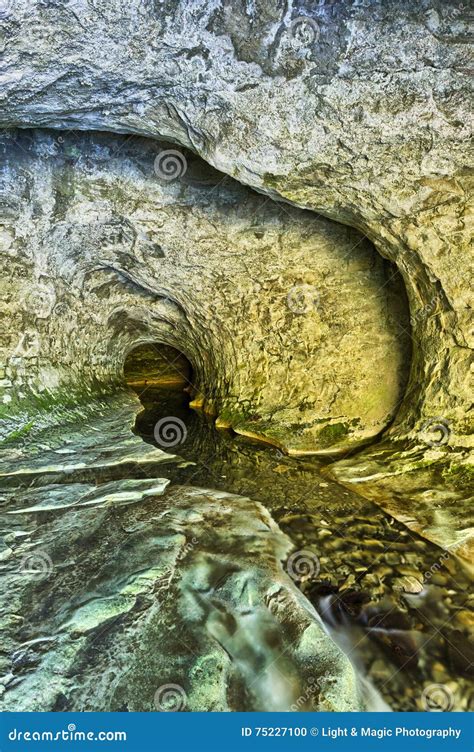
{"x": 127, "y": 570}
{"x": 398, "y": 605}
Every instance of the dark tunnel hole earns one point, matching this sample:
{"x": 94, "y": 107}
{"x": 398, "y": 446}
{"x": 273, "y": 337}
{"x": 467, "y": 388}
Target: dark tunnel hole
{"x": 162, "y": 378}
{"x": 156, "y": 365}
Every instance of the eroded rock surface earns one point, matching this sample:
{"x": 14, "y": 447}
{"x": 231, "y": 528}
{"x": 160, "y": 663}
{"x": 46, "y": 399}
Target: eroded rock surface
{"x": 127, "y": 578}
{"x": 72, "y": 444}
{"x": 296, "y": 328}
{"x": 359, "y": 111}
{"x": 422, "y": 488}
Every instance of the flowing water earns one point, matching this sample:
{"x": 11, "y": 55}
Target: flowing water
{"x": 395, "y": 603}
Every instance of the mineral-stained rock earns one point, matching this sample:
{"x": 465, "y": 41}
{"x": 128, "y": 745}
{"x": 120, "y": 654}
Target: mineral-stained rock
{"x": 422, "y": 489}
{"x": 295, "y": 327}
{"x": 89, "y": 550}
{"x": 359, "y": 111}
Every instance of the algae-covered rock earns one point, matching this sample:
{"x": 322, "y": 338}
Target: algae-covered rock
{"x": 124, "y": 602}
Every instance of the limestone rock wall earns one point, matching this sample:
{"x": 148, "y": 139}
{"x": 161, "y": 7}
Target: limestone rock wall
{"x": 296, "y": 328}
{"x": 359, "y": 111}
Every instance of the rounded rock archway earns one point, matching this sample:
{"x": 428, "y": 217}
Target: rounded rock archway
{"x": 384, "y": 153}
{"x": 155, "y": 364}
{"x": 298, "y": 331}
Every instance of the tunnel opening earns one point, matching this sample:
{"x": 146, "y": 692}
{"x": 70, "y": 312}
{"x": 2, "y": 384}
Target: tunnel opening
{"x": 162, "y": 378}
{"x": 156, "y": 365}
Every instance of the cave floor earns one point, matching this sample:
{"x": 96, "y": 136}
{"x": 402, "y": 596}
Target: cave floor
{"x": 124, "y": 563}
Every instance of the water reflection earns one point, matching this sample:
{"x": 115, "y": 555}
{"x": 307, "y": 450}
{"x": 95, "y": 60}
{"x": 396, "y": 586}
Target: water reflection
{"x": 370, "y": 585}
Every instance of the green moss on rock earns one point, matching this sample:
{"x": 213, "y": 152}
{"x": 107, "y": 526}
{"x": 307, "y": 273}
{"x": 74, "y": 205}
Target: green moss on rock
{"x": 332, "y": 433}
{"x": 459, "y": 475}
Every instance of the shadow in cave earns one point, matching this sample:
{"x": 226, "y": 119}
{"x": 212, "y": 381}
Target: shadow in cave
{"x": 154, "y": 364}
{"x": 162, "y": 377}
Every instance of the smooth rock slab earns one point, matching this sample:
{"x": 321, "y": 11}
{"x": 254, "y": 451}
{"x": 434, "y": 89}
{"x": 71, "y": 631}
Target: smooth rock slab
{"x": 94, "y": 442}
{"x": 109, "y": 605}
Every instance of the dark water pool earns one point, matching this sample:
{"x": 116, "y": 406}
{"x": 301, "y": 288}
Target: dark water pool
{"x": 396, "y": 603}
